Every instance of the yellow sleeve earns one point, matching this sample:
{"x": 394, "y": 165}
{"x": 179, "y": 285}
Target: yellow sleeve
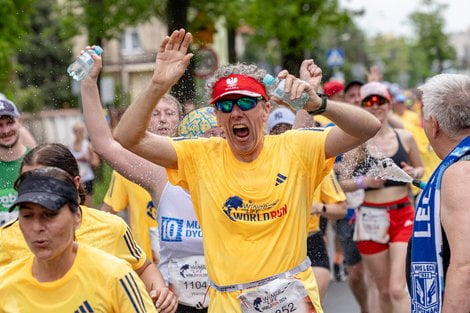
{"x": 127, "y": 248}
{"x": 5, "y": 257}
{"x": 309, "y": 146}
{"x": 186, "y": 149}
{"x": 331, "y": 191}
{"x": 130, "y": 295}
{"x": 116, "y": 196}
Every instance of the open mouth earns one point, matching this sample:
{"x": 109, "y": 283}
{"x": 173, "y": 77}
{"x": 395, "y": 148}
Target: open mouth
{"x": 241, "y": 130}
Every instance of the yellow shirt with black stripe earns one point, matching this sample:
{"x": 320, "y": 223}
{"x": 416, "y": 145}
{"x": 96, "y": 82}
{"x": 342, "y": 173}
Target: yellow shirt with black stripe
{"x": 96, "y": 282}
{"x": 328, "y": 192}
{"x": 253, "y": 215}
{"x": 122, "y": 194}
{"x": 98, "y": 229}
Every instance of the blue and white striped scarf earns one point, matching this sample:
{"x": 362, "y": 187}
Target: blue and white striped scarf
{"x": 427, "y": 272}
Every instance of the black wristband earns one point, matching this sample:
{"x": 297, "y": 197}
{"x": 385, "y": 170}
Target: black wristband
{"x": 323, "y": 209}
{"x": 322, "y": 107}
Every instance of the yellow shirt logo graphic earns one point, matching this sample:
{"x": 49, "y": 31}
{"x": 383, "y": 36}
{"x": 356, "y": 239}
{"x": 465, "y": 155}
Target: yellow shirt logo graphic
{"x": 235, "y": 208}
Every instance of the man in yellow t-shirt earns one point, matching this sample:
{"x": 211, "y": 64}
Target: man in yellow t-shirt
{"x": 252, "y": 192}
{"x": 329, "y": 202}
{"x": 122, "y": 194}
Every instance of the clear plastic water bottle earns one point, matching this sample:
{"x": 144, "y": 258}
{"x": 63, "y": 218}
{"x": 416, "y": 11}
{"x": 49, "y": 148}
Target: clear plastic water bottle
{"x": 275, "y": 87}
{"x": 82, "y": 65}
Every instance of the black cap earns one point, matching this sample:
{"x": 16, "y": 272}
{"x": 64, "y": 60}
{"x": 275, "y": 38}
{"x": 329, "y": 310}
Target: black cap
{"x": 46, "y": 191}
{"x": 8, "y": 108}
{"x": 353, "y": 83}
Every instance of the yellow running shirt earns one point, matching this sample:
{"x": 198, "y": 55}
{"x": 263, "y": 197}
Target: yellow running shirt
{"x": 123, "y": 193}
{"x": 96, "y": 282}
{"x": 98, "y": 229}
{"x": 328, "y": 192}
{"x": 253, "y": 215}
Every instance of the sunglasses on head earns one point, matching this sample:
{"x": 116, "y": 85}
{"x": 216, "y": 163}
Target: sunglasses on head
{"x": 370, "y": 101}
{"x": 245, "y": 104}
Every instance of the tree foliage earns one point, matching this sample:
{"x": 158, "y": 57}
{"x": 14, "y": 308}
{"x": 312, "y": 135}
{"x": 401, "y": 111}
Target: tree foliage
{"x": 13, "y": 27}
{"x": 105, "y": 19}
{"x": 431, "y": 50}
{"x": 295, "y": 25}
{"x": 42, "y": 61}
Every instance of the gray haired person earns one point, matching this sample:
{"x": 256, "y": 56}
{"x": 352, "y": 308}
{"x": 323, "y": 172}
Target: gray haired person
{"x": 439, "y": 258}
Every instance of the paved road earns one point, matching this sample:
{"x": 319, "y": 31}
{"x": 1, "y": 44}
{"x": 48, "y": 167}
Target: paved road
{"x": 339, "y": 299}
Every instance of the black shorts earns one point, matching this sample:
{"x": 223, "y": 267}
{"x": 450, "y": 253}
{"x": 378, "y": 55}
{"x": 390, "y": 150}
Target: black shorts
{"x": 316, "y": 251}
{"x": 345, "y": 232}
{"x": 189, "y": 309}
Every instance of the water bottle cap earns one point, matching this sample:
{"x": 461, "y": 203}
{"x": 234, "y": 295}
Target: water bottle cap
{"x": 269, "y": 80}
{"x": 98, "y": 50}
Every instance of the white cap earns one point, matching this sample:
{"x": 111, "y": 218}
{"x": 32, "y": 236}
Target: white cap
{"x": 279, "y": 116}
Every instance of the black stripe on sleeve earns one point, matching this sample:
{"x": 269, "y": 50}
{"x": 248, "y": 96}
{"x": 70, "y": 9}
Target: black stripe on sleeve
{"x": 134, "y": 303}
{"x": 135, "y": 289}
{"x": 131, "y": 245}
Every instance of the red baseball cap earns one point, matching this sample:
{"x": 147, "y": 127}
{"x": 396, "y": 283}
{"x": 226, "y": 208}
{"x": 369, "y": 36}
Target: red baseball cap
{"x": 332, "y": 87}
{"x": 240, "y": 85}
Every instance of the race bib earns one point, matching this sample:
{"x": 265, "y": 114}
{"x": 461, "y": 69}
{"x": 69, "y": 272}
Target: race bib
{"x": 155, "y": 242}
{"x": 188, "y": 277}
{"x": 5, "y": 217}
{"x": 372, "y": 224}
{"x": 278, "y": 296}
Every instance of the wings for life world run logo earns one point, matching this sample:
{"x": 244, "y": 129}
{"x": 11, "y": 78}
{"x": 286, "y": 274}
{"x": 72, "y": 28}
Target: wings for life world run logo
{"x": 270, "y": 299}
{"x": 237, "y": 209}
{"x": 193, "y": 270}
{"x": 151, "y": 211}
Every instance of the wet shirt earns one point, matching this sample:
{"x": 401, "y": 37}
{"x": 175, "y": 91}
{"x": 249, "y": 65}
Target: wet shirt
{"x": 122, "y": 194}
{"x": 98, "y": 229}
{"x": 253, "y": 215}
{"x": 96, "y": 282}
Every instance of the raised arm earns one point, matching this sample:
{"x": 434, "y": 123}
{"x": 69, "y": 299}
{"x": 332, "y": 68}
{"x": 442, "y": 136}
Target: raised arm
{"x": 150, "y": 176}
{"x": 353, "y": 125}
{"x": 171, "y": 63}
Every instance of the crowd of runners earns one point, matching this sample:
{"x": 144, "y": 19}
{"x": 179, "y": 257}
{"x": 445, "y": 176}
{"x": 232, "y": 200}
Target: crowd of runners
{"x": 229, "y": 204}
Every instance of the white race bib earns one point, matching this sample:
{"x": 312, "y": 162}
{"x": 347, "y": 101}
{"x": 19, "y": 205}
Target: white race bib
{"x": 278, "y": 296}
{"x": 5, "y": 217}
{"x": 189, "y": 279}
{"x": 372, "y": 224}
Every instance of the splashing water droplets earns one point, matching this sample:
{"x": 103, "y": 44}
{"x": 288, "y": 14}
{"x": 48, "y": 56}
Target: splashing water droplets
{"x": 387, "y": 169}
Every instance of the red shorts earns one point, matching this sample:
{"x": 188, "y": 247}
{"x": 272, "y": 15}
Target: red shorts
{"x": 401, "y": 225}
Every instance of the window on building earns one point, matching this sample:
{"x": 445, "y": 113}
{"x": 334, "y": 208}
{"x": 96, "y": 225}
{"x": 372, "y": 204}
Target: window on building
{"x": 130, "y": 41}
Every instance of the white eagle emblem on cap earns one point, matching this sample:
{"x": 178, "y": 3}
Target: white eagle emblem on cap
{"x": 232, "y": 82}
{"x": 2, "y": 106}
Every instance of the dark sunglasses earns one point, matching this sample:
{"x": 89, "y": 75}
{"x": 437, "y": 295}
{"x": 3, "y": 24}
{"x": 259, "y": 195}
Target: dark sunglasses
{"x": 370, "y": 101}
{"x": 245, "y": 104}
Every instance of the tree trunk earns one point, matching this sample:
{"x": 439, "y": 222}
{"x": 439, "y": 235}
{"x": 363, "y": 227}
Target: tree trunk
{"x": 291, "y": 62}
{"x": 232, "y": 55}
{"x": 292, "y": 58}
{"x": 177, "y": 13}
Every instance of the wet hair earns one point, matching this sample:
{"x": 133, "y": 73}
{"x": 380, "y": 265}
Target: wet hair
{"x": 250, "y": 70}
{"x": 169, "y": 98}
{"x": 53, "y": 172}
{"x": 55, "y": 155}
